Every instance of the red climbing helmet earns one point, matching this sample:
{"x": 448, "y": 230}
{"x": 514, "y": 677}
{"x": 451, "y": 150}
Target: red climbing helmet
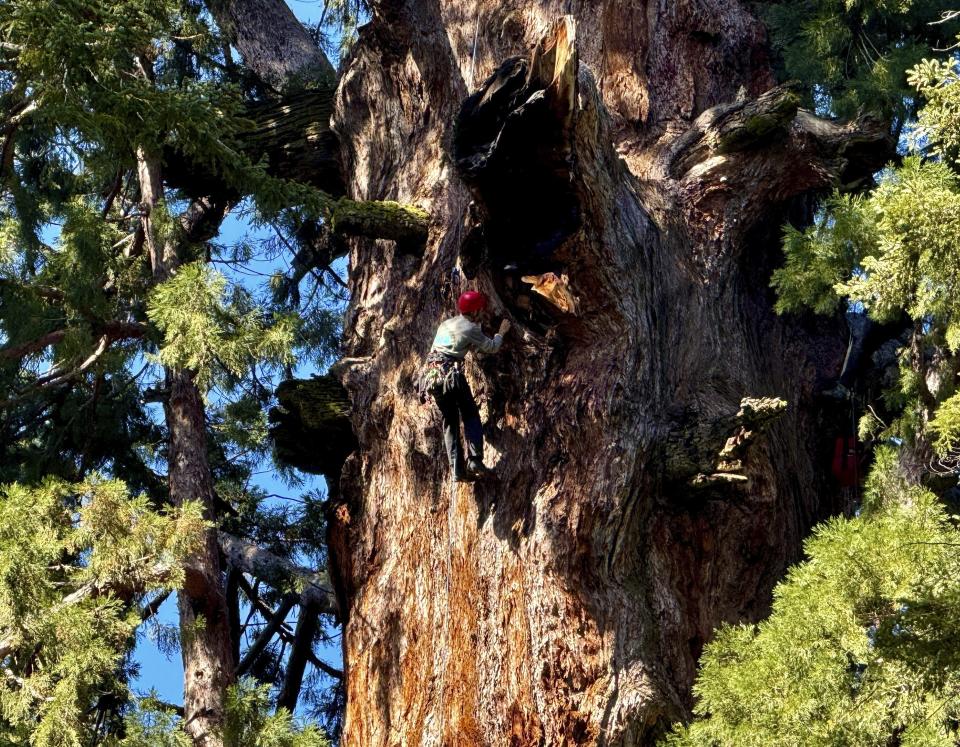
{"x": 471, "y": 301}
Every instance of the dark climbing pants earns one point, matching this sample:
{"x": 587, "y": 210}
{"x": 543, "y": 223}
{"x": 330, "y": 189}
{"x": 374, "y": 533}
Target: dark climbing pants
{"x": 456, "y": 403}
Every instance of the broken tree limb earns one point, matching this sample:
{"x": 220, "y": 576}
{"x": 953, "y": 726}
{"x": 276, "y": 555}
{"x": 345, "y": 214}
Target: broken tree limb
{"x": 735, "y": 126}
{"x": 751, "y": 420}
{"x": 381, "y": 219}
{"x": 284, "y": 631}
{"x": 257, "y": 604}
{"x": 310, "y": 427}
{"x": 699, "y": 448}
{"x": 313, "y": 587}
{"x": 553, "y": 67}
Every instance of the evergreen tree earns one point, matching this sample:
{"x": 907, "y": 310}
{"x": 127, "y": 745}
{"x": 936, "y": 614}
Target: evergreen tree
{"x": 849, "y": 56}
{"x": 110, "y": 300}
{"x": 859, "y": 648}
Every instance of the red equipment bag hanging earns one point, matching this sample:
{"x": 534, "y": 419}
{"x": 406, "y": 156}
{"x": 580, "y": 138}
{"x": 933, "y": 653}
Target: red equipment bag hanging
{"x": 846, "y": 461}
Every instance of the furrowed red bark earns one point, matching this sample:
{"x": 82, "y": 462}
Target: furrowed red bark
{"x": 642, "y": 150}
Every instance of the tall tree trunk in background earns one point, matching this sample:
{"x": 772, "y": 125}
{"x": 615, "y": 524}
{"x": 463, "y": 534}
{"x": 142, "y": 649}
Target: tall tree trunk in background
{"x": 643, "y": 150}
{"x": 205, "y": 639}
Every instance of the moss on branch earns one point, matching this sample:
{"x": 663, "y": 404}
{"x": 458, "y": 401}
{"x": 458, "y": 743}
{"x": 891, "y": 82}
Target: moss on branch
{"x": 757, "y": 120}
{"x": 311, "y": 428}
{"x": 383, "y": 219}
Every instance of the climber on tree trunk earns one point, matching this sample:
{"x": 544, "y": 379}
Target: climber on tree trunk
{"x": 445, "y": 381}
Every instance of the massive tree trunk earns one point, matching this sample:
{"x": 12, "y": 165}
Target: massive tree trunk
{"x": 643, "y": 150}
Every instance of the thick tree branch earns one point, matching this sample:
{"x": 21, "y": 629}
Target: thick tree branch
{"x": 274, "y": 44}
{"x": 337, "y": 674}
{"x": 314, "y": 587}
{"x": 16, "y": 352}
{"x": 307, "y": 626}
{"x": 734, "y": 126}
{"x": 310, "y": 427}
{"x": 291, "y": 133}
{"x": 741, "y": 162}
{"x": 381, "y": 219}
{"x": 257, "y": 604}
{"x": 151, "y": 609}
{"x": 774, "y": 129}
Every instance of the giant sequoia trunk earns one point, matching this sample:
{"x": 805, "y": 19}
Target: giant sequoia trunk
{"x": 643, "y": 150}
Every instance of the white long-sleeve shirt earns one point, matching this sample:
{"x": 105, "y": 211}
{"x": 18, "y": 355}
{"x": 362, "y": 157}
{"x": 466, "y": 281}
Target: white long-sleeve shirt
{"x": 458, "y": 335}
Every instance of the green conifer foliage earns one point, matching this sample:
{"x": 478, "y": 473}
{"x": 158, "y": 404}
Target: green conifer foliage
{"x": 85, "y": 336}
{"x": 200, "y": 329}
{"x": 249, "y": 723}
{"x": 852, "y": 54}
{"x": 860, "y": 648}
{"x": 894, "y": 252}
{"x": 76, "y": 562}
{"x": 936, "y": 80}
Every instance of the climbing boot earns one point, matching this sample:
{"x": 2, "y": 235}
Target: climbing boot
{"x": 478, "y": 468}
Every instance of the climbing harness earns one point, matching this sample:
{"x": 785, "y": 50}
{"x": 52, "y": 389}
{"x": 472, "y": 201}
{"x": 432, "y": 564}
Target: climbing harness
{"x": 437, "y": 376}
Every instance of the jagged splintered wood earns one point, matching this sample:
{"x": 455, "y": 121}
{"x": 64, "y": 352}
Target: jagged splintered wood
{"x": 699, "y": 446}
{"x": 512, "y": 145}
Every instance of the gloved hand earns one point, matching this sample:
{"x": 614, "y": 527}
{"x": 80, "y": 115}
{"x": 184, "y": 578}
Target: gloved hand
{"x": 504, "y": 327}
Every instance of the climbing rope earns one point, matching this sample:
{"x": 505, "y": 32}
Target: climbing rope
{"x": 473, "y": 54}
{"x": 854, "y": 430}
